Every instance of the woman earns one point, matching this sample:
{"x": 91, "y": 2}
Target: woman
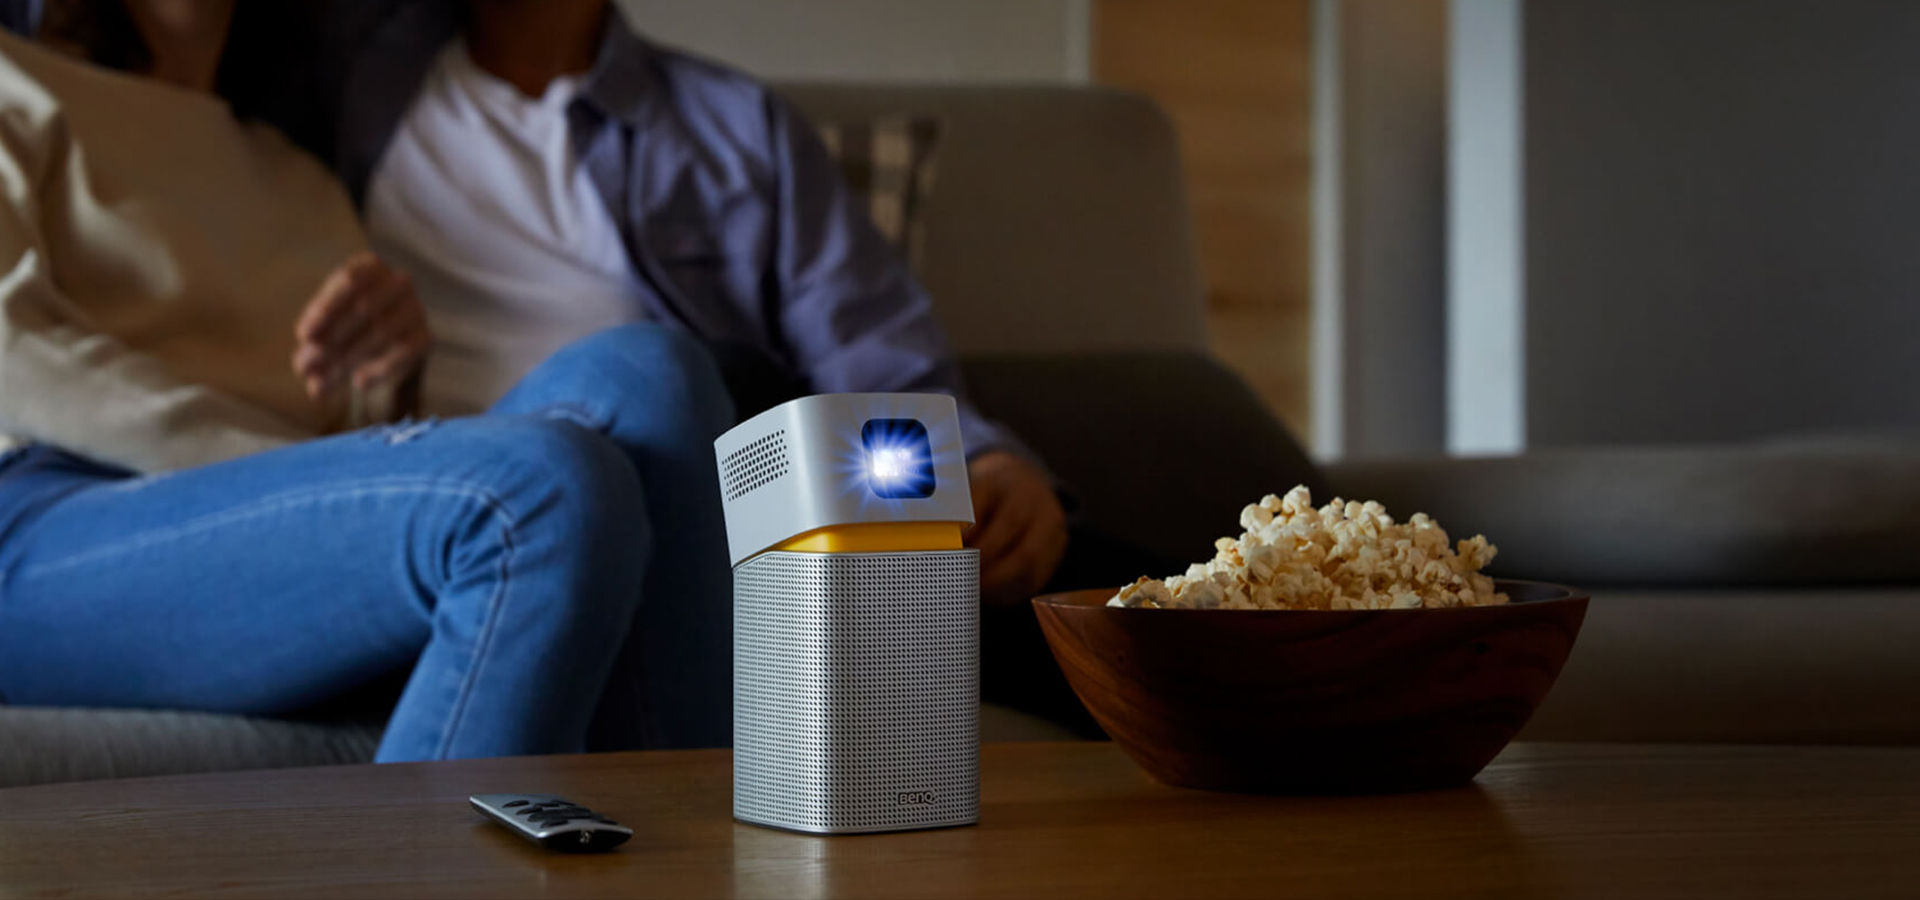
{"x": 171, "y": 535}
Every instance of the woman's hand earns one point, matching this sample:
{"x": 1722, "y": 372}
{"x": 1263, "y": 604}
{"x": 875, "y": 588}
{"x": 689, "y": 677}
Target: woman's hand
{"x": 1021, "y": 531}
{"x": 364, "y": 328}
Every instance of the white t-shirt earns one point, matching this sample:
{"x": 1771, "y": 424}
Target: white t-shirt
{"x": 480, "y": 199}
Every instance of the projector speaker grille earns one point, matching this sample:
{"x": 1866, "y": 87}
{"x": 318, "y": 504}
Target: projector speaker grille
{"x": 856, "y": 690}
{"x": 754, "y": 465}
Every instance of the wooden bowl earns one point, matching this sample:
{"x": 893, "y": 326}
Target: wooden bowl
{"x": 1309, "y": 702}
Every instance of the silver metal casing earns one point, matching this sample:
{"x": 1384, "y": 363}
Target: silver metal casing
{"x": 856, "y": 691}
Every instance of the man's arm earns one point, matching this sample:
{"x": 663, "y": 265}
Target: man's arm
{"x": 856, "y": 320}
{"x": 852, "y": 314}
{"x": 64, "y": 383}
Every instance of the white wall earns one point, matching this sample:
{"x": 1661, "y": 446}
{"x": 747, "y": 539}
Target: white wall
{"x": 1486, "y": 315}
{"x": 880, "y": 40}
{"x": 1379, "y": 231}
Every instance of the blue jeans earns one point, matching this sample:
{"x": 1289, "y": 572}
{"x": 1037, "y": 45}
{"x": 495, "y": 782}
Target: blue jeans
{"x": 555, "y": 571}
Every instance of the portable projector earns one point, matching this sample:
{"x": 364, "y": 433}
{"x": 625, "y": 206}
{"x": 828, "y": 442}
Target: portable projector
{"x": 856, "y": 615}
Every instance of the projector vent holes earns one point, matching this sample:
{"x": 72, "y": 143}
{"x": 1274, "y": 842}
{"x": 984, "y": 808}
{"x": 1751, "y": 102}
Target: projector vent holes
{"x": 754, "y": 465}
{"x": 856, "y": 690}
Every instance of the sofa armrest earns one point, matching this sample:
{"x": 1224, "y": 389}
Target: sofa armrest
{"x": 1712, "y": 515}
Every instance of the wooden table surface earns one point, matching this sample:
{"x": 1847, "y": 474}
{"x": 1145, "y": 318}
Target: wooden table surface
{"x": 1058, "y": 821}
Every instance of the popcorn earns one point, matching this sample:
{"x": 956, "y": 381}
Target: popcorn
{"x": 1344, "y": 555}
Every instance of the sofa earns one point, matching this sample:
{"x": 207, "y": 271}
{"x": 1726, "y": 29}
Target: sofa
{"x": 1766, "y": 593}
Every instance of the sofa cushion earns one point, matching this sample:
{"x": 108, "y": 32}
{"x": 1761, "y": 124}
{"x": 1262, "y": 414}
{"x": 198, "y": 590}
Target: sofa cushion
{"x": 1060, "y": 222}
{"x": 1767, "y": 665}
{"x": 889, "y": 164}
{"x": 40, "y": 744}
{"x": 1801, "y": 512}
{"x": 1160, "y": 449}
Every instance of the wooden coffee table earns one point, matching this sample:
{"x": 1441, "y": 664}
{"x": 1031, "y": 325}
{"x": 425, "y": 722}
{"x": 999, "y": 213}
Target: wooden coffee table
{"x": 1059, "y": 820}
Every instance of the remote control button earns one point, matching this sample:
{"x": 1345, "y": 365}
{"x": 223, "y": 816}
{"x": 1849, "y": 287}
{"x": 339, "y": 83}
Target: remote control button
{"x": 513, "y": 803}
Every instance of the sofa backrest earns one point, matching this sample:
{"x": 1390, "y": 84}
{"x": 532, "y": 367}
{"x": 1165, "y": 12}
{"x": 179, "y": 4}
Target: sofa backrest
{"x": 1058, "y": 217}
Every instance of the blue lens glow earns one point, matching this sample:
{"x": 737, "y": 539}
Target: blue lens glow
{"x": 899, "y": 458}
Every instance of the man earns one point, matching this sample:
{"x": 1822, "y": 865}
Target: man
{"x": 542, "y": 172}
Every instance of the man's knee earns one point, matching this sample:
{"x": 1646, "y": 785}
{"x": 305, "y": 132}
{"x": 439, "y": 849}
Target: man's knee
{"x": 653, "y": 365}
{"x": 553, "y": 468}
{"x": 643, "y": 352}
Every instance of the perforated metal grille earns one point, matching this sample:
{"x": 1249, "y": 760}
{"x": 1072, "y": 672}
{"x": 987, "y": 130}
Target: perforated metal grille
{"x": 856, "y": 690}
{"x": 755, "y": 464}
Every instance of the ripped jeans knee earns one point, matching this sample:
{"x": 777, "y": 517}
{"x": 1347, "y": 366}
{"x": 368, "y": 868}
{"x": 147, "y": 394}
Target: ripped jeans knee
{"x": 394, "y": 434}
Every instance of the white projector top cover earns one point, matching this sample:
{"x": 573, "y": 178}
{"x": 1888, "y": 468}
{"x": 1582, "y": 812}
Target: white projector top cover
{"x": 840, "y": 459}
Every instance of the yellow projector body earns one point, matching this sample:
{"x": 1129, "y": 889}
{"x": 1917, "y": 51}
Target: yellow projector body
{"x": 877, "y": 538}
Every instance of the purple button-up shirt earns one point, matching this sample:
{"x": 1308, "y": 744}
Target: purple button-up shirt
{"x": 733, "y": 214}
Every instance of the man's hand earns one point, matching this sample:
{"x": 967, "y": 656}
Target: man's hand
{"x": 1021, "y": 531}
{"x": 364, "y": 327}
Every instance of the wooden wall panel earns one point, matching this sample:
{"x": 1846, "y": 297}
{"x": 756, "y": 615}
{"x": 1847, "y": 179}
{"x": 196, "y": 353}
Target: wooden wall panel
{"x": 1235, "y": 77}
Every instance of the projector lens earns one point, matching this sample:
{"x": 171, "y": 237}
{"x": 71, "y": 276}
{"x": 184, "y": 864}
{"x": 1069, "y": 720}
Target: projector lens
{"x": 899, "y": 458}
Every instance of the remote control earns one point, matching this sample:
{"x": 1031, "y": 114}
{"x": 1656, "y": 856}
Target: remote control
{"x": 552, "y": 822}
